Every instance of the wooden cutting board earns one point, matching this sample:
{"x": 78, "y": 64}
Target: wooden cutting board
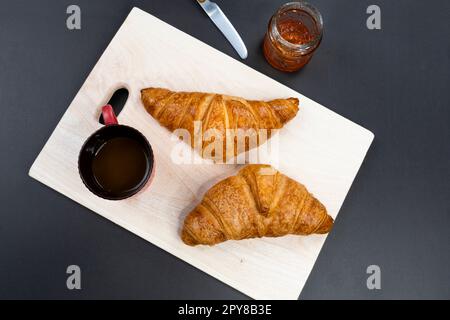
{"x": 318, "y": 148}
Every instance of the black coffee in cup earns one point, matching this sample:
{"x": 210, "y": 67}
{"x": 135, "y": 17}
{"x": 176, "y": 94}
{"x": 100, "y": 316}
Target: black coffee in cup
{"x": 120, "y": 165}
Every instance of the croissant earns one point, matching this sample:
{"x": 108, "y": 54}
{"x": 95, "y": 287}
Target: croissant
{"x": 221, "y": 113}
{"x": 257, "y": 202}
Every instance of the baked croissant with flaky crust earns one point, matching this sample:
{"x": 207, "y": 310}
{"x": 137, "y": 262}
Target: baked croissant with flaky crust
{"x": 257, "y": 202}
{"x": 180, "y": 110}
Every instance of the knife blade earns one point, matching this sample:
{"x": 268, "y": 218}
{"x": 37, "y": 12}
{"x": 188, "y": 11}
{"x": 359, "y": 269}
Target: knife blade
{"x": 224, "y": 25}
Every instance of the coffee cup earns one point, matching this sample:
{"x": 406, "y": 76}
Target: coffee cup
{"x": 116, "y": 161}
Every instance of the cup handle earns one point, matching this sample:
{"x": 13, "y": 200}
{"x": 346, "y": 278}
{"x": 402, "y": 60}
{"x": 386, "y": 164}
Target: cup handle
{"x": 109, "y": 117}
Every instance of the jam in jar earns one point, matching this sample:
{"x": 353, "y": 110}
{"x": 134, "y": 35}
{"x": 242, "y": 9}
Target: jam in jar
{"x": 293, "y": 34}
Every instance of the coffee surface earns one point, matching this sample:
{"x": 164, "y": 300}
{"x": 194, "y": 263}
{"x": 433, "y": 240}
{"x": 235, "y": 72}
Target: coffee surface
{"x": 120, "y": 165}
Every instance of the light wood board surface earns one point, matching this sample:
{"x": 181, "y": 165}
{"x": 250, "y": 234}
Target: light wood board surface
{"x": 319, "y": 148}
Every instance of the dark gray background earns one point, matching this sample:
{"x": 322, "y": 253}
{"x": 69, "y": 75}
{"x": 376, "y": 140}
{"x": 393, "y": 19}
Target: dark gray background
{"x": 395, "y": 82}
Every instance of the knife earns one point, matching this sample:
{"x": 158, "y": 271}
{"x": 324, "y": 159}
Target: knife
{"x": 221, "y": 21}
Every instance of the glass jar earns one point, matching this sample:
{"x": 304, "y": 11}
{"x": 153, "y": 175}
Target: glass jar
{"x": 293, "y": 34}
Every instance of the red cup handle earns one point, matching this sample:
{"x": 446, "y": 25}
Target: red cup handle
{"x": 109, "y": 117}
